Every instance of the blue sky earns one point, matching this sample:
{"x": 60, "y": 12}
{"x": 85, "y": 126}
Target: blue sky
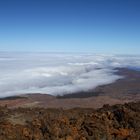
{"x": 98, "y": 26}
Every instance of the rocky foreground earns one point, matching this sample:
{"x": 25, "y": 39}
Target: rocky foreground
{"x": 118, "y": 122}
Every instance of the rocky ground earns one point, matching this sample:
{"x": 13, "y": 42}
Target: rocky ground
{"x": 78, "y": 116}
{"x": 118, "y": 122}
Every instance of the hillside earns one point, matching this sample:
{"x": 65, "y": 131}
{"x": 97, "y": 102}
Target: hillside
{"x": 118, "y": 122}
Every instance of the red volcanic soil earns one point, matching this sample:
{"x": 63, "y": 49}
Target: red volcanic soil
{"x": 119, "y": 92}
{"x": 118, "y": 122}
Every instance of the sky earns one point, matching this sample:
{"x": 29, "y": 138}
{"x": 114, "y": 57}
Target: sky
{"x": 98, "y": 26}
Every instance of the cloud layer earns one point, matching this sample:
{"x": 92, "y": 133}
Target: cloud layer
{"x": 58, "y": 73}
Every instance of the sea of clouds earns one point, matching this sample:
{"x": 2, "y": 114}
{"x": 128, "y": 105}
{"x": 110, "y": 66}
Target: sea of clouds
{"x": 59, "y": 73}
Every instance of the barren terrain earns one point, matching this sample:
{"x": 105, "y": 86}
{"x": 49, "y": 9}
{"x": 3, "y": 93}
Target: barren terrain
{"x": 118, "y": 122}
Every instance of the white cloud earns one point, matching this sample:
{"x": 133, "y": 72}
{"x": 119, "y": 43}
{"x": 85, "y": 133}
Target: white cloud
{"x": 58, "y": 73}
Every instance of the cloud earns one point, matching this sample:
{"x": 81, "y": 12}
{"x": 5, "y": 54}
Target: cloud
{"x": 55, "y": 73}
